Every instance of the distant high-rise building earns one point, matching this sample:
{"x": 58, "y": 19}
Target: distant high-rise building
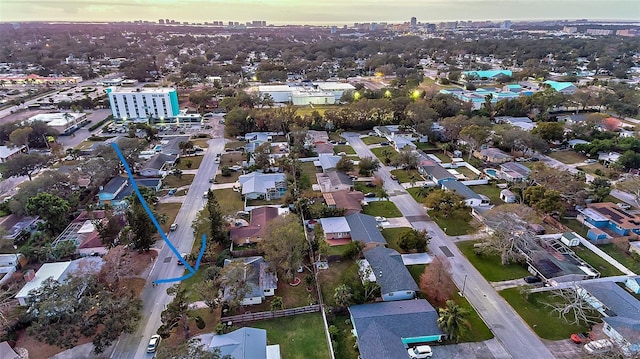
{"x": 235, "y": 23}
{"x": 414, "y": 21}
{"x": 506, "y": 25}
{"x": 230, "y": 23}
{"x": 167, "y": 21}
{"x": 334, "y": 29}
{"x": 161, "y": 21}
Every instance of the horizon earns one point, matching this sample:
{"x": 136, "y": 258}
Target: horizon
{"x": 327, "y": 13}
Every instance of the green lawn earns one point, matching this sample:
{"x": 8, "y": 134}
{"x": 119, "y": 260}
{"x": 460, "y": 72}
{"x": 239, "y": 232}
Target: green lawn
{"x": 344, "y": 148}
{"x": 622, "y": 257}
{"x": 489, "y": 265}
{"x": 379, "y": 152}
{"x": 489, "y": 190}
{"x": 172, "y": 181}
{"x": 414, "y": 193}
{"x": 467, "y": 173}
{"x": 308, "y": 110}
{"x": 538, "y": 316}
{"x": 190, "y": 283}
{"x": 344, "y": 343}
{"x": 333, "y": 136}
{"x": 444, "y": 158}
{"x": 310, "y": 170}
{"x": 568, "y": 156}
{"x": 575, "y": 226}
{"x": 391, "y": 235}
{"x": 605, "y": 269}
{"x": 337, "y": 250}
{"x": 229, "y": 200}
{"x": 235, "y": 144}
{"x": 425, "y": 145}
{"x": 416, "y": 271}
{"x": 338, "y": 273}
{"x": 195, "y": 162}
{"x": 299, "y": 336}
{"x": 382, "y": 208}
{"x": 229, "y": 179}
{"x": 479, "y": 331}
{"x": 170, "y": 210}
{"x": 405, "y": 177}
{"x": 373, "y": 140}
{"x": 457, "y": 224}
{"x": 231, "y": 159}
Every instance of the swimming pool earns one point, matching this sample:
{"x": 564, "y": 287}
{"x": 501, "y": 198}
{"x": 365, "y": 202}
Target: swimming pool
{"x": 493, "y": 173}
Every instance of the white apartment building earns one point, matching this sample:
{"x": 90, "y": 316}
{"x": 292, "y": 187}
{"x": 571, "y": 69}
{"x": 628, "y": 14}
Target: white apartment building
{"x": 140, "y": 103}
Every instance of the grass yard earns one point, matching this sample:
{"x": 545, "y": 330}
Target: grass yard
{"x": 380, "y": 151}
{"x": 337, "y": 250}
{"x": 190, "y": 283}
{"x": 489, "y": 190}
{"x": 539, "y": 316}
{"x": 229, "y": 200}
{"x": 172, "y": 181}
{"x": 201, "y": 142}
{"x": 479, "y": 330}
{"x": 382, "y": 208}
{"x": 415, "y": 191}
{"x": 591, "y": 169}
{"x": 310, "y": 170}
{"x": 575, "y": 226}
{"x": 391, "y": 235}
{"x": 171, "y": 211}
{"x": 444, "y": 158}
{"x": 405, "y": 177}
{"x": 229, "y": 179}
{"x": 605, "y": 269}
{"x": 231, "y": 159}
{"x": 457, "y": 224}
{"x": 195, "y": 162}
{"x": 308, "y": 110}
{"x": 373, "y": 140}
{"x": 344, "y": 343}
{"x": 425, "y": 145}
{"x": 622, "y": 257}
{"x": 334, "y": 136}
{"x": 344, "y": 148}
{"x": 299, "y": 336}
{"x": 416, "y": 271}
{"x": 466, "y": 172}
{"x": 235, "y": 144}
{"x": 568, "y": 156}
{"x": 489, "y": 265}
{"x": 331, "y": 278}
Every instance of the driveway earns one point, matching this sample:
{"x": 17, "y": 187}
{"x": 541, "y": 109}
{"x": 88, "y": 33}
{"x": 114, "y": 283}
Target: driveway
{"x": 482, "y": 350}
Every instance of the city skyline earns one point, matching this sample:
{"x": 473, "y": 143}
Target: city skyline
{"x": 328, "y": 12}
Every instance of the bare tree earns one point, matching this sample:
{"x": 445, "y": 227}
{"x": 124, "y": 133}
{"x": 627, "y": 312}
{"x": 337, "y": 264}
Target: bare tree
{"x": 506, "y": 225}
{"x": 436, "y": 282}
{"x": 571, "y": 305}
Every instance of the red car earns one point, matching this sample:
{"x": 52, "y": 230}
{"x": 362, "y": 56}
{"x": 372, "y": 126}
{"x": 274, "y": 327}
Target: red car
{"x": 580, "y": 338}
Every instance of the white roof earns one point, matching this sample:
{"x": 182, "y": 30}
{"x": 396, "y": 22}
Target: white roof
{"x": 335, "y": 225}
{"x": 145, "y": 90}
{"x": 8, "y": 151}
{"x": 274, "y": 88}
{"x": 334, "y": 86}
{"x": 48, "y": 270}
{"x": 57, "y": 119}
{"x": 87, "y": 227}
{"x": 257, "y": 182}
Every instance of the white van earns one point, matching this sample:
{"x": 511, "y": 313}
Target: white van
{"x": 598, "y": 346}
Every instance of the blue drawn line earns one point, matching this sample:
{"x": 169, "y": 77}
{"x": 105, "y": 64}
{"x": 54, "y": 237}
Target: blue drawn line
{"x": 192, "y": 270}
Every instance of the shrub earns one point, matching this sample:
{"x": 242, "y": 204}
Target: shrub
{"x": 200, "y": 323}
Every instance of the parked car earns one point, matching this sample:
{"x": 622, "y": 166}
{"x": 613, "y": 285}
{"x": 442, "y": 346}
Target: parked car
{"x": 173, "y": 227}
{"x": 172, "y": 192}
{"x": 532, "y": 279}
{"x": 579, "y": 338}
{"x": 394, "y": 177}
{"x": 623, "y": 205}
{"x": 384, "y": 143}
{"x": 598, "y": 346}
{"x": 591, "y": 160}
{"x": 206, "y": 194}
{"x": 184, "y": 256}
{"x": 370, "y": 195}
{"x": 211, "y": 180}
{"x": 153, "y": 343}
{"x": 420, "y": 352}
{"x": 535, "y": 159}
{"x": 380, "y": 219}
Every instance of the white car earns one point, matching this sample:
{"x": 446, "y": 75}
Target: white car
{"x": 623, "y": 205}
{"x": 380, "y": 219}
{"x": 153, "y": 343}
{"x": 598, "y": 346}
{"x": 173, "y": 227}
{"x": 184, "y": 256}
{"x": 420, "y": 352}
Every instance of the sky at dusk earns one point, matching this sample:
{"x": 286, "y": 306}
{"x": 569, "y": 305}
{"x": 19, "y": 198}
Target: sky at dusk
{"x": 326, "y": 12}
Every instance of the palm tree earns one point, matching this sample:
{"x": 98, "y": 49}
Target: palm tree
{"x": 452, "y": 320}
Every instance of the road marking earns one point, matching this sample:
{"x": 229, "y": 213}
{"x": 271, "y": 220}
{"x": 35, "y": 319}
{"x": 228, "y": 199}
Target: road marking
{"x": 446, "y": 251}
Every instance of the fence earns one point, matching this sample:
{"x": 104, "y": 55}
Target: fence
{"x": 249, "y": 317}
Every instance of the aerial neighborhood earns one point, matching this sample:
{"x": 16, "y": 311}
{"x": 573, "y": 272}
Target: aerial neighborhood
{"x": 375, "y": 191}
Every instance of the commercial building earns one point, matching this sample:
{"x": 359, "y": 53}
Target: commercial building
{"x": 143, "y": 103}
{"x": 63, "y": 122}
{"x": 305, "y": 93}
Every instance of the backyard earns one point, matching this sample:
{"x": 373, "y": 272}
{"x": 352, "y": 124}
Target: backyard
{"x": 344, "y": 346}
{"x": 172, "y": 181}
{"x": 539, "y": 316}
{"x": 624, "y": 258}
{"x": 382, "y": 208}
{"x": 489, "y": 190}
{"x": 425, "y": 145}
{"x": 457, "y": 224}
{"x": 229, "y": 200}
{"x": 568, "y": 156}
{"x": 489, "y": 265}
{"x": 405, "y": 176}
{"x": 309, "y": 169}
{"x": 605, "y": 269}
{"x": 194, "y": 160}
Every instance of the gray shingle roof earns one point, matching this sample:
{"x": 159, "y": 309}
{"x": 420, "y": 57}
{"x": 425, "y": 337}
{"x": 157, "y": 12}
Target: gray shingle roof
{"x": 460, "y": 189}
{"x": 436, "y": 171}
{"x": 390, "y": 271}
{"x": 382, "y": 326}
{"x": 618, "y": 300}
{"x": 244, "y": 343}
{"x": 364, "y": 228}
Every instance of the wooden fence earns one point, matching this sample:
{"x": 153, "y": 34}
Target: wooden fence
{"x": 249, "y": 317}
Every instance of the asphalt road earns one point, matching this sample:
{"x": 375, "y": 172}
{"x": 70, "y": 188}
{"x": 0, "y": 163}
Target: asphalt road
{"x": 515, "y": 336}
{"x": 133, "y": 346}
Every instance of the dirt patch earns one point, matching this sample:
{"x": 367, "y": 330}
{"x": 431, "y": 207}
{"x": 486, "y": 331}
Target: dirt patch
{"x": 135, "y": 285}
{"x": 40, "y": 350}
{"x": 143, "y": 260}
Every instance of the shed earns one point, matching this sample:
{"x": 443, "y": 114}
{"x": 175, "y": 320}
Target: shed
{"x": 633, "y": 284}
{"x": 597, "y": 234}
{"x": 507, "y": 196}
{"x": 570, "y": 239}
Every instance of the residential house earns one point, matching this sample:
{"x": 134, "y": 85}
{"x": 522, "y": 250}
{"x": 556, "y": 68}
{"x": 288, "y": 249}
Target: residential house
{"x": 562, "y": 87}
{"x": 364, "y": 228}
{"x": 313, "y": 137}
{"x": 523, "y": 123}
{"x": 328, "y": 162}
{"x": 385, "y": 267}
{"x": 7, "y": 153}
{"x": 254, "y": 232}
{"x": 507, "y": 196}
{"x": 83, "y": 233}
{"x": 492, "y": 155}
{"x": 612, "y": 219}
{"x": 403, "y": 144}
{"x": 350, "y": 201}
{"x": 259, "y": 137}
{"x": 633, "y": 284}
{"x": 336, "y": 230}
{"x": 324, "y": 148}
{"x": 118, "y": 188}
{"x": 514, "y": 171}
{"x": 14, "y": 225}
{"x": 573, "y": 119}
{"x": 470, "y": 198}
{"x": 334, "y": 181}
{"x": 170, "y": 145}
{"x": 268, "y": 186}
{"x": 59, "y": 272}
{"x": 7, "y": 352}
{"x": 435, "y": 172}
{"x": 386, "y": 330}
{"x": 158, "y": 165}
{"x": 576, "y": 141}
{"x": 608, "y": 158}
{"x": 261, "y": 279}
{"x": 244, "y": 343}
{"x": 620, "y": 311}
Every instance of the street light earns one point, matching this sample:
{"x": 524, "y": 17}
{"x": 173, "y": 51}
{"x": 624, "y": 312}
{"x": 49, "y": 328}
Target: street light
{"x": 464, "y": 284}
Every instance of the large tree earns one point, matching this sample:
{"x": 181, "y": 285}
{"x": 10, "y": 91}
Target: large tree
{"x": 142, "y": 228}
{"x": 217, "y": 224}
{"x": 191, "y": 349}
{"x": 284, "y": 245}
{"x": 234, "y": 277}
{"x": 176, "y": 312}
{"x": 506, "y": 223}
{"x": 436, "y": 283}
{"x": 549, "y": 131}
{"x": 453, "y": 320}
{"x": 53, "y": 209}
{"x": 61, "y": 312}
{"x": 367, "y": 166}
{"x": 23, "y": 165}
{"x": 20, "y": 136}
{"x": 571, "y": 305}
{"x": 444, "y": 202}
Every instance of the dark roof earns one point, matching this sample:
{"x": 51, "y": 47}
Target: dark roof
{"x": 435, "y": 170}
{"x": 460, "y": 189}
{"x": 348, "y": 200}
{"x": 339, "y": 178}
{"x": 158, "y": 161}
{"x": 260, "y": 278}
{"x": 382, "y": 326}
{"x": 114, "y": 184}
{"x": 390, "y": 271}
{"x": 259, "y": 219}
{"x": 516, "y": 167}
{"x": 364, "y": 228}
{"x": 619, "y": 302}
{"x": 173, "y": 144}
{"x": 141, "y": 182}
